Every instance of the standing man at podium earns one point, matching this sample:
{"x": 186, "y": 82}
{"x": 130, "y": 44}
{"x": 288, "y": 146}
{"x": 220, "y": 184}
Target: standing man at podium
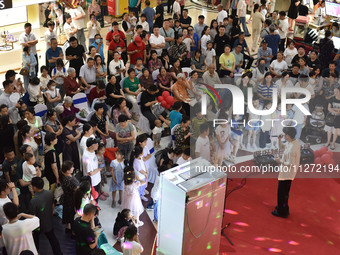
{"x": 289, "y": 162}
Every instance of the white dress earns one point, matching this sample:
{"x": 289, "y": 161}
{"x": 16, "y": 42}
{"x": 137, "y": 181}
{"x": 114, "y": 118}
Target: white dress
{"x": 131, "y": 199}
{"x": 150, "y": 165}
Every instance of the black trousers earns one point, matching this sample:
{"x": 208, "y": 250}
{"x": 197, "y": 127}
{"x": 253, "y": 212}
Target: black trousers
{"x": 250, "y": 61}
{"x": 37, "y": 66}
{"x": 151, "y": 117}
{"x": 51, "y": 238}
{"x": 282, "y": 197}
{"x": 170, "y": 6}
{"x": 282, "y": 45}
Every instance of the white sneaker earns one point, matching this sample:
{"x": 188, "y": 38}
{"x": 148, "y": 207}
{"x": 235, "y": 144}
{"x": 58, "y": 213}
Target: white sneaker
{"x": 248, "y": 146}
{"x": 144, "y": 198}
{"x": 233, "y": 159}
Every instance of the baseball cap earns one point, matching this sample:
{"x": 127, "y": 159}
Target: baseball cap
{"x": 264, "y": 41}
{"x": 10, "y": 73}
{"x": 91, "y": 141}
{"x": 138, "y": 40}
{"x": 115, "y": 33}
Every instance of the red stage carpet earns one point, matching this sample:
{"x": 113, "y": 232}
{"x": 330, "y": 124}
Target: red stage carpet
{"x": 313, "y": 226}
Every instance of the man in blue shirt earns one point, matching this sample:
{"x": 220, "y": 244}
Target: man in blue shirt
{"x": 53, "y": 53}
{"x": 194, "y": 37}
{"x": 98, "y": 43}
{"x": 265, "y": 52}
{"x": 273, "y": 40}
{"x": 150, "y": 13}
{"x": 175, "y": 116}
{"x": 241, "y": 40}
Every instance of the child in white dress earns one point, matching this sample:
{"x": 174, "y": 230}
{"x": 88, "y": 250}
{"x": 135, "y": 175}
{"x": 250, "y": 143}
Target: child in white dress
{"x": 140, "y": 168}
{"x": 131, "y": 198}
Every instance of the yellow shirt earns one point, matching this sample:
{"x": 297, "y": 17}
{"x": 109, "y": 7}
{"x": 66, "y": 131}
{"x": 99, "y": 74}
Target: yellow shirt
{"x": 228, "y": 61}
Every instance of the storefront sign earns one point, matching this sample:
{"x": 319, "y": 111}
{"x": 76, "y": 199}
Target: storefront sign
{"x": 5, "y": 4}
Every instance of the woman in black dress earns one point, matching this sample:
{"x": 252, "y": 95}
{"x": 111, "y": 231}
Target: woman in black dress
{"x": 293, "y": 13}
{"x": 51, "y": 160}
{"x": 70, "y": 136}
{"x": 69, "y": 184}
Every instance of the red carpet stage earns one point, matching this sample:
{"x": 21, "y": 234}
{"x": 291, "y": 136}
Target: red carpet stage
{"x": 313, "y": 226}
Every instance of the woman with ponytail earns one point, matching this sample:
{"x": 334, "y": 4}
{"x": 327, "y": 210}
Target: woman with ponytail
{"x": 131, "y": 197}
{"x": 124, "y": 219}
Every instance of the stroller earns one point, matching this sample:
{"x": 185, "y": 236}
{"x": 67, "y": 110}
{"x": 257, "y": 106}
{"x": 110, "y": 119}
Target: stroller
{"x": 314, "y": 129}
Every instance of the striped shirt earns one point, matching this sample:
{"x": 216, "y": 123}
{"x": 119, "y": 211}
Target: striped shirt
{"x": 265, "y": 91}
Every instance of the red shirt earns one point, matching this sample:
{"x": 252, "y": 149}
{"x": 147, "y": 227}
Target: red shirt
{"x": 70, "y": 85}
{"x": 109, "y": 35}
{"x": 113, "y": 44}
{"x": 94, "y": 94}
{"x": 133, "y": 46}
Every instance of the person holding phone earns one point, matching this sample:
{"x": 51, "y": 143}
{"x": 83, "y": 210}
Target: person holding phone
{"x": 93, "y": 27}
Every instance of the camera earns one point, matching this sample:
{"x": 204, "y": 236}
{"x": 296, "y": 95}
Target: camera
{"x": 117, "y": 67}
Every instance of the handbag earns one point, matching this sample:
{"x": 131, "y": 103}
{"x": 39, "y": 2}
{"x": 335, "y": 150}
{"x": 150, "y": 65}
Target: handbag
{"x": 157, "y": 109}
{"x": 330, "y": 119}
{"x": 24, "y": 72}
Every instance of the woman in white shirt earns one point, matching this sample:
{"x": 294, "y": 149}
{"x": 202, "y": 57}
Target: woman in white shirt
{"x": 93, "y": 27}
{"x": 278, "y": 65}
{"x": 320, "y": 14}
{"x": 290, "y": 53}
{"x": 34, "y": 90}
{"x": 58, "y": 75}
{"x": 52, "y": 95}
{"x": 205, "y": 37}
{"x": 241, "y": 13}
{"x": 117, "y": 67}
{"x": 186, "y": 39}
{"x": 177, "y": 10}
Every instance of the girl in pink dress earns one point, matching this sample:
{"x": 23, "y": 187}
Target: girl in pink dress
{"x": 131, "y": 197}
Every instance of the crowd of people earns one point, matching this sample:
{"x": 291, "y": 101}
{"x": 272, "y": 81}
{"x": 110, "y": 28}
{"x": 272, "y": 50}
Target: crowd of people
{"x": 148, "y": 55}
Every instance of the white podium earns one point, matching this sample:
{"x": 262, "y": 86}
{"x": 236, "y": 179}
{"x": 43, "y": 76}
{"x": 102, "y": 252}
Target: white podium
{"x": 191, "y": 210}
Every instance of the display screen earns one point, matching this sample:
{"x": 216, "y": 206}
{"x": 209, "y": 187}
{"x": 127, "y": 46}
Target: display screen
{"x": 333, "y": 8}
